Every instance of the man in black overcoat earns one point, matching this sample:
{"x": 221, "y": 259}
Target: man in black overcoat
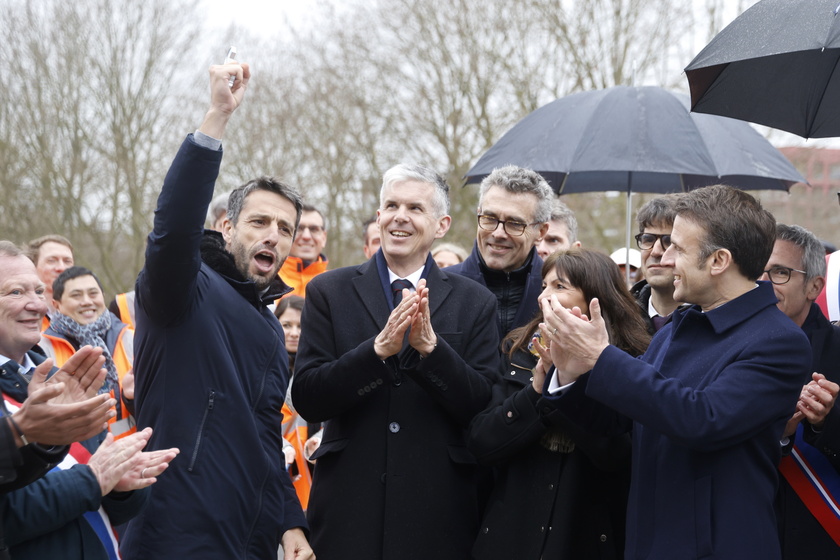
{"x": 396, "y": 356}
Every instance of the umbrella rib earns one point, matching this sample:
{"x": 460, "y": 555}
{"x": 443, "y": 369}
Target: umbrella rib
{"x": 809, "y": 129}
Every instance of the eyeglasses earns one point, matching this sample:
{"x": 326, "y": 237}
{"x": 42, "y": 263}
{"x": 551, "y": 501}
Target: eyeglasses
{"x": 781, "y": 274}
{"x": 313, "y": 230}
{"x": 490, "y": 223}
{"x": 646, "y": 241}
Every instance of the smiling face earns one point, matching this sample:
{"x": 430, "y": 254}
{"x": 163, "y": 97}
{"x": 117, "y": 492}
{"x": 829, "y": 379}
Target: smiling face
{"x": 290, "y": 321}
{"x": 797, "y": 294}
{"x": 262, "y": 237}
{"x": 568, "y": 295}
{"x": 659, "y": 276}
{"x": 82, "y": 300}
{"x": 311, "y": 237}
{"x": 499, "y": 249}
{"x": 22, "y": 306}
{"x": 408, "y": 225}
{"x": 692, "y": 278}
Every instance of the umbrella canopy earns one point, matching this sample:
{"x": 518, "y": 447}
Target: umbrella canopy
{"x": 774, "y": 65}
{"x": 636, "y": 139}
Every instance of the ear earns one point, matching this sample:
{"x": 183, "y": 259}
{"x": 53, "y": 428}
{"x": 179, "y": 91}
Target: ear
{"x": 57, "y": 306}
{"x": 443, "y": 226}
{"x": 720, "y": 261}
{"x": 227, "y": 230}
{"x": 576, "y": 245}
{"x": 542, "y": 232}
{"x": 814, "y": 287}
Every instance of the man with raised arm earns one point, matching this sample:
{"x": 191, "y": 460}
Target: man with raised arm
{"x": 211, "y": 365}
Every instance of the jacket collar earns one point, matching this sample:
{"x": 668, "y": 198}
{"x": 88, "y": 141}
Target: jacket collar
{"x": 733, "y": 312}
{"x": 216, "y": 256}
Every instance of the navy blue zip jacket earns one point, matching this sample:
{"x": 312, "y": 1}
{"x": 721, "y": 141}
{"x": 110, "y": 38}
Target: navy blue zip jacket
{"x": 211, "y": 372}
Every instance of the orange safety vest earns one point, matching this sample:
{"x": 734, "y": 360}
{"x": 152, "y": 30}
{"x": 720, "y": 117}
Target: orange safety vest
{"x": 62, "y": 351}
{"x": 126, "y": 308}
{"x": 296, "y": 435}
{"x": 296, "y": 276}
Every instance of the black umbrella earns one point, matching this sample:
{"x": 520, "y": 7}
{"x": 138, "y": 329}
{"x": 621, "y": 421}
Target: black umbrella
{"x": 636, "y": 139}
{"x": 775, "y": 65}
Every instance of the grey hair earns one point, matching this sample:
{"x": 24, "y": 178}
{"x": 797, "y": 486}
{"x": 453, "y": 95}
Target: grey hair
{"x": 413, "y": 172}
{"x": 516, "y": 179}
{"x": 270, "y": 184}
{"x": 660, "y": 211}
{"x": 452, "y": 248}
{"x": 218, "y": 206}
{"x": 813, "y": 253}
{"x": 562, "y": 213}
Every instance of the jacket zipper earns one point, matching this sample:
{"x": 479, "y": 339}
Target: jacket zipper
{"x": 210, "y": 403}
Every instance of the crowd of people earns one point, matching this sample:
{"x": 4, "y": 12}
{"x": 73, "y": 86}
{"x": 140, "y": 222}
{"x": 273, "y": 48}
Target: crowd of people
{"x": 515, "y": 401}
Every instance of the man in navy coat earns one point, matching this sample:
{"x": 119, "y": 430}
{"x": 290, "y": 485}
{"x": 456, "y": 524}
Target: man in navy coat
{"x": 707, "y": 403}
{"x": 211, "y": 363}
{"x": 396, "y": 356}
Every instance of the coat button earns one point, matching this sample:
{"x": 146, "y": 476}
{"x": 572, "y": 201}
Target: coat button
{"x": 603, "y": 538}
{"x": 382, "y": 478}
{"x": 509, "y": 414}
{"x": 485, "y": 530}
{"x": 394, "y": 427}
{"x": 551, "y": 486}
{"x": 513, "y": 372}
{"x": 361, "y": 392}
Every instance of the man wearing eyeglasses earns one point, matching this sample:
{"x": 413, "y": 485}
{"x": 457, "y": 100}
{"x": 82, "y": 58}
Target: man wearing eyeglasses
{"x": 306, "y": 260}
{"x": 513, "y": 212}
{"x": 811, "y": 466}
{"x": 655, "y": 292}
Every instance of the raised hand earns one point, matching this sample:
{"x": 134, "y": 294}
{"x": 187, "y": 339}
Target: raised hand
{"x": 390, "y": 340}
{"x": 422, "y": 336}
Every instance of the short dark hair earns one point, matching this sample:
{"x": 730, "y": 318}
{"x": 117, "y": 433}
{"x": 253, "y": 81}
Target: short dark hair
{"x": 657, "y": 212}
{"x": 286, "y": 302}
{"x": 270, "y": 184}
{"x": 33, "y": 248}
{"x": 732, "y": 220}
{"x": 70, "y": 274}
{"x": 365, "y": 227}
{"x": 310, "y": 208}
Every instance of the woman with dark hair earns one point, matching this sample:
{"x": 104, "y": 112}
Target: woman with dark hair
{"x": 558, "y": 492}
{"x": 288, "y": 312}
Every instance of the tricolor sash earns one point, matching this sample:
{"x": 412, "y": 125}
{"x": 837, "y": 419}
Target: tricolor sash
{"x": 816, "y": 482}
{"x": 829, "y": 298}
{"x": 98, "y": 520}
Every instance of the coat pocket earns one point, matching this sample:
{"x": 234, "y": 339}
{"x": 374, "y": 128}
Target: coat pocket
{"x": 327, "y": 447}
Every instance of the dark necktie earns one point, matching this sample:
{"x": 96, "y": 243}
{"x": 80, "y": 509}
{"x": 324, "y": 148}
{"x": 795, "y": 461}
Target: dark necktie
{"x": 397, "y": 287}
{"x": 659, "y": 322}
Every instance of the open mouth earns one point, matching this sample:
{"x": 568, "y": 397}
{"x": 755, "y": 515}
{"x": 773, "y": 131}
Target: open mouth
{"x": 265, "y": 261}
{"x": 400, "y": 234}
